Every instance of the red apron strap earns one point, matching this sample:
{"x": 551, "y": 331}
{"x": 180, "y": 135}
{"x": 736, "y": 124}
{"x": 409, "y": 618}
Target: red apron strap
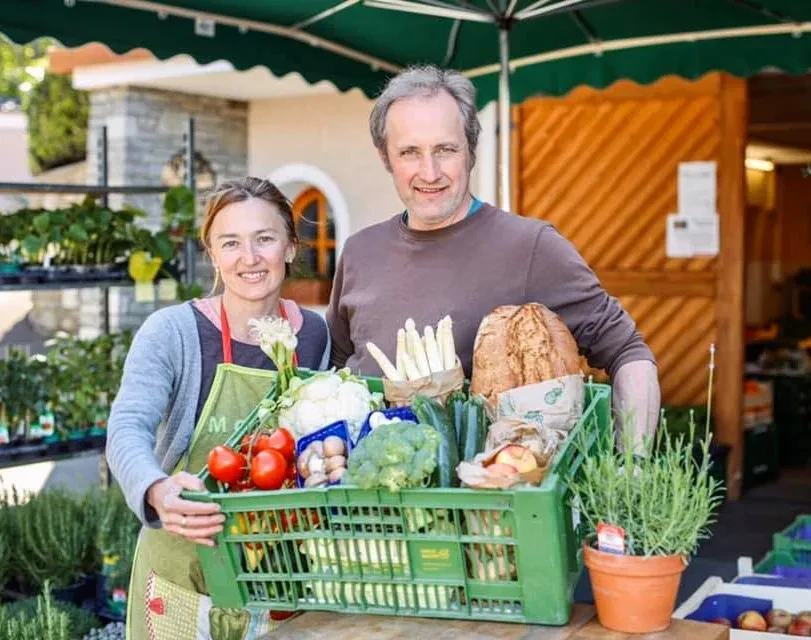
{"x": 227, "y": 358}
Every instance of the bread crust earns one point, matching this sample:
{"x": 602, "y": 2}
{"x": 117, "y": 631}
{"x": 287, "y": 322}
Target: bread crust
{"x": 519, "y": 345}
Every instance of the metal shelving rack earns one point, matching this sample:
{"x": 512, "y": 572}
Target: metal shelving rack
{"x": 37, "y": 452}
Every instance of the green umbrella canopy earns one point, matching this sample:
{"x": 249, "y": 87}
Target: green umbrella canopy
{"x": 552, "y": 45}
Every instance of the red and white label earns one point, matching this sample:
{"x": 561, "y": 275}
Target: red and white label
{"x": 610, "y": 539}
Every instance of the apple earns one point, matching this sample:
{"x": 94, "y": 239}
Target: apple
{"x": 502, "y": 470}
{"x": 517, "y": 456}
{"x": 724, "y": 621}
{"x": 752, "y": 621}
{"x": 781, "y": 630}
{"x": 800, "y": 628}
{"x": 778, "y": 618}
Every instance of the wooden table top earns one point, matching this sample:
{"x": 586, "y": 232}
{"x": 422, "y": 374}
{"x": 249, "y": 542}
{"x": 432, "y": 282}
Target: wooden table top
{"x": 582, "y": 626}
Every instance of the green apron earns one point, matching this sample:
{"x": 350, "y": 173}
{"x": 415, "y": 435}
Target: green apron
{"x": 166, "y": 599}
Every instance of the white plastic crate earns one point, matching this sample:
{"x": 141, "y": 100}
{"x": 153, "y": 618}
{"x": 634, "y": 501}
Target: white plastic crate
{"x": 792, "y": 600}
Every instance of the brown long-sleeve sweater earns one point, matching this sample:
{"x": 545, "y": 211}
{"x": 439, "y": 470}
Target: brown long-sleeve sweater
{"x": 389, "y": 272}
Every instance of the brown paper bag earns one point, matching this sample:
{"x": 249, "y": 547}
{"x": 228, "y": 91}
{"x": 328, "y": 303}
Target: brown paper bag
{"x": 477, "y": 475}
{"x": 437, "y": 386}
{"x": 541, "y": 441}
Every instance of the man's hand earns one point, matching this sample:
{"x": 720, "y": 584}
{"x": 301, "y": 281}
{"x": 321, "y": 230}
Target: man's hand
{"x": 636, "y": 399}
{"x": 196, "y": 521}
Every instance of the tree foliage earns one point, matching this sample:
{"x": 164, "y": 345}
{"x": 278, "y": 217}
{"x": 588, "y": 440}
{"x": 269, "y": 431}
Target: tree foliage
{"x": 57, "y": 113}
{"x": 57, "y": 123}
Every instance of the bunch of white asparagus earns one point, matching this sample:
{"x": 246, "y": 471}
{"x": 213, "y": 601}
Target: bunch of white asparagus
{"x": 418, "y": 356}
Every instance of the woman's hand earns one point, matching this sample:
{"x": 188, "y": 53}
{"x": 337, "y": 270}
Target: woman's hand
{"x": 196, "y": 521}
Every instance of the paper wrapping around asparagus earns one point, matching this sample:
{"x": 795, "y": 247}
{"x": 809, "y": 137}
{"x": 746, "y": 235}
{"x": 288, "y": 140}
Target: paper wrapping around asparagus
{"x": 438, "y": 386}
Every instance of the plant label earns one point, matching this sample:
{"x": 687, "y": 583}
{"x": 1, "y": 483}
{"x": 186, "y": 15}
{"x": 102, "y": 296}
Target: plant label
{"x": 610, "y": 539}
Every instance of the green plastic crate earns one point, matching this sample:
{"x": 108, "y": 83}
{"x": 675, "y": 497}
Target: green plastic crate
{"x": 796, "y": 539}
{"x": 778, "y": 560}
{"x": 509, "y": 556}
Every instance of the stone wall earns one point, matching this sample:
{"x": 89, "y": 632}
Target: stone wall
{"x": 145, "y": 128}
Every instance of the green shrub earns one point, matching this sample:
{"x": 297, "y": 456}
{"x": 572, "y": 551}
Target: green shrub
{"x": 43, "y": 621}
{"x": 57, "y": 532}
{"x": 116, "y": 537}
{"x": 80, "y": 621}
{"x": 57, "y": 123}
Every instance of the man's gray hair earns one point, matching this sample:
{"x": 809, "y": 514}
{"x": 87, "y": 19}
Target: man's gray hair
{"x": 426, "y": 81}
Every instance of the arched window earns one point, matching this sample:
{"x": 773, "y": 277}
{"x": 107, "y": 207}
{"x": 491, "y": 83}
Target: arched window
{"x": 316, "y": 232}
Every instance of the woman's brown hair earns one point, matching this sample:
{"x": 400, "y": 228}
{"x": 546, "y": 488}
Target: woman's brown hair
{"x": 243, "y": 189}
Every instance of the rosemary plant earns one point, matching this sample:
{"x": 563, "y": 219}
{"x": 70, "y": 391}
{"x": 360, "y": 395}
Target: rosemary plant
{"x": 28, "y": 613}
{"x": 664, "y": 499}
{"x": 57, "y": 538}
{"x": 46, "y": 622}
{"x": 117, "y": 536}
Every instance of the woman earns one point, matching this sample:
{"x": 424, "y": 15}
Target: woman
{"x": 192, "y": 373}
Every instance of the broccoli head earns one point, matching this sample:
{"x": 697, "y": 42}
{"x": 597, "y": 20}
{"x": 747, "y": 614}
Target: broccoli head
{"x": 396, "y": 456}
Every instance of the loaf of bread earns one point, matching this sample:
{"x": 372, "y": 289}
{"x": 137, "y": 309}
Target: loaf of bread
{"x": 521, "y": 345}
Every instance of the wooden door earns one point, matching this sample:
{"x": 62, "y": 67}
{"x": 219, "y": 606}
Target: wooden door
{"x": 602, "y": 166}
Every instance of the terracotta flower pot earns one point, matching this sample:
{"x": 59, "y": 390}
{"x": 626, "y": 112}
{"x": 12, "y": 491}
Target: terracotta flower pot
{"x": 307, "y": 291}
{"x": 634, "y": 594}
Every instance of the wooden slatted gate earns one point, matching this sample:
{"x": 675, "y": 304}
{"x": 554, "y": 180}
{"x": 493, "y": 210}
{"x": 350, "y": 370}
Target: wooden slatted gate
{"x": 602, "y": 166}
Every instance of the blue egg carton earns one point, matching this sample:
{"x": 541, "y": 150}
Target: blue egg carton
{"x": 729, "y": 606}
{"x": 404, "y": 413}
{"x": 340, "y": 429}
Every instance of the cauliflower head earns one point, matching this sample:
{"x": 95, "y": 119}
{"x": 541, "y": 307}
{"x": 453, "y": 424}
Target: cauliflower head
{"x": 326, "y": 397}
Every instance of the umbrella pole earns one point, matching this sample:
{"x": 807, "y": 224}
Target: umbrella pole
{"x": 504, "y": 120}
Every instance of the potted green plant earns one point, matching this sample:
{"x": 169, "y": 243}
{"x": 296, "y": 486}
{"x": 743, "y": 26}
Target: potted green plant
{"x": 9, "y": 256}
{"x": 56, "y": 532}
{"x": 44, "y": 618}
{"x": 21, "y": 379}
{"x": 116, "y": 539}
{"x": 179, "y": 213}
{"x": 306, "y": 287}
{"x": 6, "y": 543}
{"x": 643, "y": 511}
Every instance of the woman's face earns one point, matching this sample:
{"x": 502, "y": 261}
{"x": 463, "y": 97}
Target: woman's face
{"x": 249, "y": 244}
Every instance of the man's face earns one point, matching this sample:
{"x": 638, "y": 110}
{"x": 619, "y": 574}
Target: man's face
{"x": 429, "y": 160}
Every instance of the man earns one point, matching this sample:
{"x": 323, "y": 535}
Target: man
{"x": 450, "y": 254}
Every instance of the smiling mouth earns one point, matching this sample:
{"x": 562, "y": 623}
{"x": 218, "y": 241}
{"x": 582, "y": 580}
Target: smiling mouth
{"x": 429, "y": 191}
{"x": 253, "y": 276}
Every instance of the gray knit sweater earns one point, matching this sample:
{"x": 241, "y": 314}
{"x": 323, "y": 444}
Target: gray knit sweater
{"x": 152, "y": 419}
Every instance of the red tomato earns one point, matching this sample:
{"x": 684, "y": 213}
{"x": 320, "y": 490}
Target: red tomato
{"x": 268, "y": 470}
{"x": 285, "y": 522}
{"x": 282, "y": 615}
{"x": 283, "y": 441}
{"x": 243, "y": 485}
{"x": 292, "y": 473}
{"x": 226, "y": 465}
{"x": 262, "y": 443}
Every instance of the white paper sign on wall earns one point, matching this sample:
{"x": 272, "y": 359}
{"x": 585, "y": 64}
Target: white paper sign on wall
{"x": 692, "y": 236}
{"x": 697, "y": 189}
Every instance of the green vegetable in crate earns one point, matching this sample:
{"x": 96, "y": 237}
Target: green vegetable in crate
{"x": 474, "y": 428}
{"x": 431, "y": 412}
{"x": 454, "y": 406}
{"x": 395, "y": 456}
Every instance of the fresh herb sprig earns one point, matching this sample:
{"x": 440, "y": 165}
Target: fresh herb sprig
{"x": 661, "y": 493}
